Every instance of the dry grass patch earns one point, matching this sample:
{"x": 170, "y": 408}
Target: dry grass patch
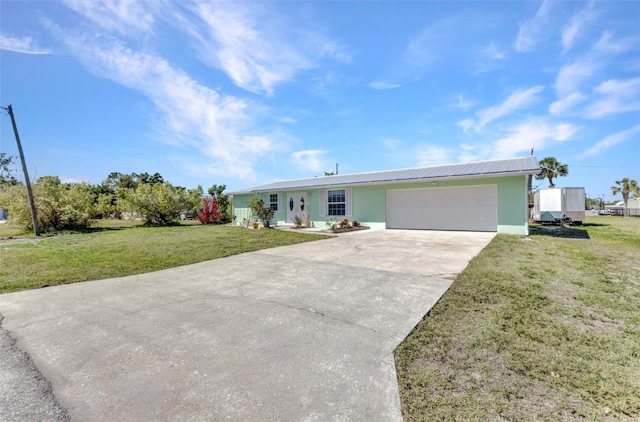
{"x": 539, "y": 329}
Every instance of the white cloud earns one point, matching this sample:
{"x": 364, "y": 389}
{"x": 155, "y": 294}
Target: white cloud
{"x": 24, "y": 45}
{"x": 429, "y": 47}
{"x": 252, "y": 59}
{"x": 383, "y": 85}
{"x": 323, "y": 46}
{"x": 493, "y": 52}
{"x": 611, "y": 140}
{"x": 469, "y": 153}
{"x": 391, "y": 143}
{"x": 607, "y": 44}
{"x": 442, "y": 42}
{"x": 430, "y": 155}
{"x": 578, "y": 21}
{"x": 488, "y": 59}
{"x": 615, "y": 96}
{"x": 575, "y": 78}
{"x": 466, "y": 124}
{"x": 239, "y": 39}
{"x": 462, "y": 103}
{"x": 519, "y": 99}
{"x": 532, "y": 133}
{"x": 404, "y": 153}
{"x": 123, "y": 16}
{"x": 190, "y": 114}
{"x": 571, "y": 77}
{"x": 310, "y": 160}
{"x": 257, "y": 48}
{"x": 532, "y": 30}
{"x": 564, "y": 105}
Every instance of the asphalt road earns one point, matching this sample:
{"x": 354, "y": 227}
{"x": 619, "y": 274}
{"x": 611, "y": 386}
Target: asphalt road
{"x": 25, "y": 394}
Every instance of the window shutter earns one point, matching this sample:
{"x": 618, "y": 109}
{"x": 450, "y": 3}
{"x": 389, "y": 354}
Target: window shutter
{"x": 347, "y": 202}
{"x": 322, "y": 203}
{"x": 265, "y": 198}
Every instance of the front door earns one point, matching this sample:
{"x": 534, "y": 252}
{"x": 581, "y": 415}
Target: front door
{"x": 297, "y": 206}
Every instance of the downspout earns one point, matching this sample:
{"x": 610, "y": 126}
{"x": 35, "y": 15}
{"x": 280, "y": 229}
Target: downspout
{"x": 527, "y": 182}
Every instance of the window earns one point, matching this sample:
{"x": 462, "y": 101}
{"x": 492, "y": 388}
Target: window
{"x": 336, "y": 200}
{"x": 273, "y": 201}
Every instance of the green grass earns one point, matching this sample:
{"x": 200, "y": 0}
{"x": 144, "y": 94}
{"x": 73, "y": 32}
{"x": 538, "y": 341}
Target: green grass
{"x": 540, "y": 329}
{"x": 116, "y": 251}
{"x": 11, "y": 230}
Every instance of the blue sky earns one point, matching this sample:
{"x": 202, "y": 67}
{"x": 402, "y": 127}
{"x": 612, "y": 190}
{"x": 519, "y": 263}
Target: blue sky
{"x": 246, "y": 93}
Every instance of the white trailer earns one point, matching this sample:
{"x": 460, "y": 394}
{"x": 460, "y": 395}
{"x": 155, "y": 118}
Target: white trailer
{"x": 559, "y": 205}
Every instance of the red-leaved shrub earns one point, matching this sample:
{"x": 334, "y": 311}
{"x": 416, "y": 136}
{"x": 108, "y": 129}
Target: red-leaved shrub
{"x": 209, "y": 213}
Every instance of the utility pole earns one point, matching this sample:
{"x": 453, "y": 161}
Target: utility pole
{"x": 36, "y": 230}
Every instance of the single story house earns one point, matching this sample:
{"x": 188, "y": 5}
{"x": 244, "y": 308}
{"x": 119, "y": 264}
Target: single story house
{"x": 633, "y": 208}
{"x": 478, "y": 196}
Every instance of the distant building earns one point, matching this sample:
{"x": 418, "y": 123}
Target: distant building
{"x": 633, "y": 208}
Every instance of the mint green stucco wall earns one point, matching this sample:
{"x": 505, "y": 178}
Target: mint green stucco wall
{"x": 241, "y": 208}
{"x": 369, "y": 203}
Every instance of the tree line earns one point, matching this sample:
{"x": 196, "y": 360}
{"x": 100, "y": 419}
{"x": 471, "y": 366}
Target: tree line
{"x": 69, "y": 206}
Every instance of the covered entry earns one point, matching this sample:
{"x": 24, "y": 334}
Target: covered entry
{"x": 473, "y": 208}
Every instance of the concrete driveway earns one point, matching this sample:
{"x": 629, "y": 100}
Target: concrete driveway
{"x": 302, "y": 332}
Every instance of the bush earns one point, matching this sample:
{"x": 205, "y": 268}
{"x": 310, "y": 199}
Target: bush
{"x": 59, "y": 206}
{"x": 158, "y": 204}
{"x": 209, "y": 214}
{"x": 14, "y": 199}
{"x": 265, "y": 214}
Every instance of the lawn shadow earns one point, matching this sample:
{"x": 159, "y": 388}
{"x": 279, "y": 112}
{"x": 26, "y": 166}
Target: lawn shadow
{"x": 561, "y": 231}
{"x": 114, "y": 226}
{"x": 594, "y": 225}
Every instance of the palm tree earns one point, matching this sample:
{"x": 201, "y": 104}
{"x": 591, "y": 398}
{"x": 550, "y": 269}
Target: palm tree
{"x": 625, "y": 187}
{"x": 552, "y": 168}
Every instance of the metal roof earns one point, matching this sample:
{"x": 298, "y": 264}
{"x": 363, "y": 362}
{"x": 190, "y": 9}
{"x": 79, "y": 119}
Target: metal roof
{"x": 504, "y": 167}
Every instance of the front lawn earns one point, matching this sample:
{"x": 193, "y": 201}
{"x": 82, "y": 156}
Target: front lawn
{"x": 541, "y": 329}
{"x": 118, "y": 251}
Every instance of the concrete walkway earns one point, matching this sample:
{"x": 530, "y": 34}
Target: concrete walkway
{"x": 302, "y": 332}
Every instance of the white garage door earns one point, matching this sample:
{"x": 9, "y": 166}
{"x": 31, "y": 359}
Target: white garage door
{"x": 472, "y": 208}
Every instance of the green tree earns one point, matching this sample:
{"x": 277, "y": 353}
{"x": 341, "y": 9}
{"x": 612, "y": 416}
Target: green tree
{"x": 157, "y": 204}
{"x": 106, "y": 205}
{"x": 60, "y": 206}
{"x": 6, "y": 176}
{"x": 625, "y": 187}
{"x": 194, "y": 200}
{"x": 151, "y": 179}
{"x": 14, "y": 199}
{"x": 552, "y": 169}
{"x": 117, "y": 180}
{"x": 224, "y": 205}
